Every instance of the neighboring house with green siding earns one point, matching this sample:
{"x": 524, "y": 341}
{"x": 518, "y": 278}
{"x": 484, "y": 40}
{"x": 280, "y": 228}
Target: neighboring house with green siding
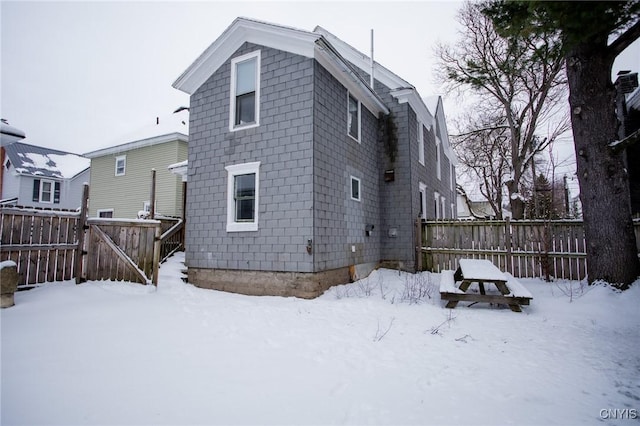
{"x": 121, "y": 175}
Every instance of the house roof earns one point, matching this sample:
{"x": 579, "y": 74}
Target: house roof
{"x": 45, "y": 162}
{"x": 436, "y": 107}
{"x": 289, "y": 39}
{"x": 8, "y": 133}
{"x": 402, "y": 90}
{"x": 163, "y": 129}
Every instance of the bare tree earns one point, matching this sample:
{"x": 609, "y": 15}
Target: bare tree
{"x": 520, "y": 78}
{"x": 483, "y": 152}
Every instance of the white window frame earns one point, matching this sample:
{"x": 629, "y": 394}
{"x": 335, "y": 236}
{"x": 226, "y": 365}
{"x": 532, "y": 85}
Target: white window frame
{"x": 351, "y": 180}
{"x": 51, "y": 192}
{"x": 105, "y": 211}
{"x": 232, "y": 172}
{"x": 232, "y": 92}
{"x": 452, "y": 173}
{"x": 437, "y": 200}
{"x": 423, "y": 191}
{"x": 438, "y": 159}
{"x": 359, "y": 138}
{"x": 420, "y": 143}
{"x": 122, "y": 158}
{"x": 443, "y": 207}
{"x": 453, "y": 211}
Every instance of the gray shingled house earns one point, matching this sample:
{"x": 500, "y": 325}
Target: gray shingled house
{"x": 300, "y": 175}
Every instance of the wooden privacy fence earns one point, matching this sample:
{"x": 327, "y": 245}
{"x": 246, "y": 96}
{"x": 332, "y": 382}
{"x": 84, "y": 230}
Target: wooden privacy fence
{"x": 56, "y": 246}
{"x": 524, "y": 248}
{"x": 43, "y": 244}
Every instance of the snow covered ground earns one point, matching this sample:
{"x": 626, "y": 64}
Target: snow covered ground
{"x": 372, "y": 352}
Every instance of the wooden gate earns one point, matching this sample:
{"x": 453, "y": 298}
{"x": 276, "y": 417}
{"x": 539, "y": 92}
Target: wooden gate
{"x": 122, "y": 250}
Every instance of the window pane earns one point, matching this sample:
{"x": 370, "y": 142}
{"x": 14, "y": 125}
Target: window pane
{"x": 353, "y": 117}
{"x": 245, "y": 210}
{"x": 246, "y": 77}
{"x": 245, "y": 190}
{"x": 246, "y": 108}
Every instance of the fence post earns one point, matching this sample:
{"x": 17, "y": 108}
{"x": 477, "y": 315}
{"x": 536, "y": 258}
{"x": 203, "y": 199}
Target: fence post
{"x": 418, "y": 244}
{"x": 156, "y": 254}
{"x": 82, "y": 224}
{"x": 509, "y": 244}
{"x": 152, "y": 207}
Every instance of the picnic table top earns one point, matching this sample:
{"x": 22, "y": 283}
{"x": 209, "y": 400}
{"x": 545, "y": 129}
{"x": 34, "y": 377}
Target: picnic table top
{"x": 480, "y": 269}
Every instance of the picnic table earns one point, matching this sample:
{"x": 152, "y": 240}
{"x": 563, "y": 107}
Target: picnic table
{"x": 482, "y": 272}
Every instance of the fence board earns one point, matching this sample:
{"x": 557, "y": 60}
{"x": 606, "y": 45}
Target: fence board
{"x": 38, "y": 242}
{"x": 523, "y": 248}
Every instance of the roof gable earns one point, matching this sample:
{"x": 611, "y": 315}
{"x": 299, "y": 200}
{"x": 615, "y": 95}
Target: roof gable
{"x": 300, "y": 42}
{"x": 436, "y": 108}
{"x": 43, "y": 162}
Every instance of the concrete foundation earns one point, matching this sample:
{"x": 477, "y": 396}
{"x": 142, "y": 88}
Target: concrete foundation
{"x": 265, "y": 283}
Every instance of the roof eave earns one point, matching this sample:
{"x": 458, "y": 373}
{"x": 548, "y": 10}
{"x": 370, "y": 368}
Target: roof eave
{"x": 330, "y": 59}
{"x": 410, "y": 95}
{"x": 156, "y": 140}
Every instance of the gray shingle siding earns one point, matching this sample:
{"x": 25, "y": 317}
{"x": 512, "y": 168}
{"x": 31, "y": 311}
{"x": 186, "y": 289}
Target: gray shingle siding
{"x": 282, "y": 143}
{"x": 341, "y": 221}
{"x": 307, "y": 160}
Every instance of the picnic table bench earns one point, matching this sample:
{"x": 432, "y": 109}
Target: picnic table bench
{"x": 480, "y": 271}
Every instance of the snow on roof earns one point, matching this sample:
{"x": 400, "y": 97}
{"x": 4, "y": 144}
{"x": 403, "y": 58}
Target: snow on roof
{"x": 7, "y": 129}
{"x": 45, "y": 162}
{"x": 161, "y": 129}
{"x": 300, "y": 42}
{"x": 9, "y": 134}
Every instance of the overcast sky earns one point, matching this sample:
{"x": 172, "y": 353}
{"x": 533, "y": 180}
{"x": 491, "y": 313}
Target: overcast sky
{"x": 76, "y": 76}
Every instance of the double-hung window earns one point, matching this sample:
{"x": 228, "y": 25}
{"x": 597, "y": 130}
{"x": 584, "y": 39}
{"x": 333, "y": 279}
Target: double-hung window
{"x": 245, "y": 91}
{"x": 423, "y": 200}
{"x": 243, "y": 183}
{"x": 420, "y": 143}
{"x": 353, "y": 117}
{"x": 121, "y": 165}
{"x": 46, "y": 191}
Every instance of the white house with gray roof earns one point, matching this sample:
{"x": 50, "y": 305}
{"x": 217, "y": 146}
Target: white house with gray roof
{"x": 302, "y": 174}
{"x": 35, "y": 176}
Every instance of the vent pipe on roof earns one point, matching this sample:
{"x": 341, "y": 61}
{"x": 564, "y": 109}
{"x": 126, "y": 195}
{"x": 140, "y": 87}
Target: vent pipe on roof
{"x": 371, "y": 78}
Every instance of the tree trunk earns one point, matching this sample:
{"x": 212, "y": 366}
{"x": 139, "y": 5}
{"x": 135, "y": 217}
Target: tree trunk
{"x": 604, "y": 183}
{"x": 515, "y": 200}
